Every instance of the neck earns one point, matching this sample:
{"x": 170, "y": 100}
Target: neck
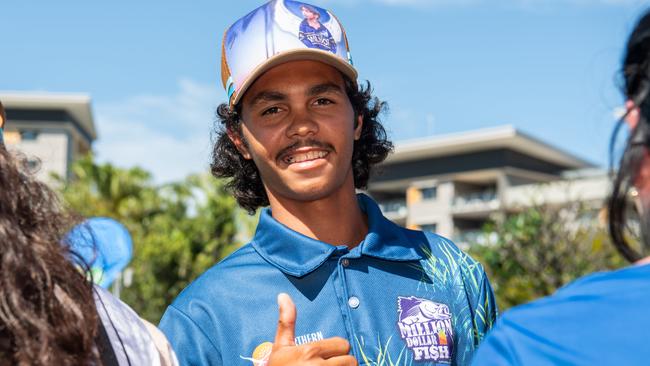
{"x": 336, "y": 219}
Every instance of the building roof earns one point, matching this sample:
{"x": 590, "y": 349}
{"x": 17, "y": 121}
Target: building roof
{"x": 78, "y": 106}
{"x": 485, "y": 139}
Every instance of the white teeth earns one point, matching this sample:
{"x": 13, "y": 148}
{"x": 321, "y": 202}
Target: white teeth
{"x": 300, "y": 157}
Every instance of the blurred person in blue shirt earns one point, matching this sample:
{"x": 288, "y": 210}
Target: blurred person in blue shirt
{"x": 299, "y": 134}
{"x": 601, "y": 319}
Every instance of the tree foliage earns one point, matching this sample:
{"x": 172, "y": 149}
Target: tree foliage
{"x": 534, "y": 252}
{"x": 178, "y": 229}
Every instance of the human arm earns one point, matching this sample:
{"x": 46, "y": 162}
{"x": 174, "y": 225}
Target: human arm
{"x": 192, "y": 345}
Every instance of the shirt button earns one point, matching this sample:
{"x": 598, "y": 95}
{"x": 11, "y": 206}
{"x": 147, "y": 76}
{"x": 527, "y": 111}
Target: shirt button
{"x": 354, "y": 302}
{"x": 345, "y": 262}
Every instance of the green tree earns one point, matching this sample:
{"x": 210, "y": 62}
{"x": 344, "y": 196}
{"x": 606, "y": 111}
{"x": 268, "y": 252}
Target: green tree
{"x": 178, "y": 229}
{"x": 534, "y": 252}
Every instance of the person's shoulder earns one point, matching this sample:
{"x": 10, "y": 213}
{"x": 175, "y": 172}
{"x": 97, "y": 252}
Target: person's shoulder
{"x": 436, "y": 247}
{"x": 230, "y": 271}
{"x": 115, "y": 308}
{"x": 125, "y": 329}
{"x": 430, "y": 239}
{"x": 579, "y": 299}
{"x": 569, "y": 325}
{"x": 632, "y": 278}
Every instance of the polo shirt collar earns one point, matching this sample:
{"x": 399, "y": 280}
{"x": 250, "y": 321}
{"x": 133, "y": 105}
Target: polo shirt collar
{"x": 298, "y": 255}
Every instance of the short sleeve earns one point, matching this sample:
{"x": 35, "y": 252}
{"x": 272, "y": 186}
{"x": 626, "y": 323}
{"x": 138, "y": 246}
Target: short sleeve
{"x": 188, "y": 340}
{"x": 485, "y": 308}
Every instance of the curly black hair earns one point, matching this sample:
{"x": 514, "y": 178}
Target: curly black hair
{"x": 244, "y": 180}
{"x": 47, "y": 311}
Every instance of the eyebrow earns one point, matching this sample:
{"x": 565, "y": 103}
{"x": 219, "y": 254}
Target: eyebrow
{"x": 274, "y": 96}
{"x": 324, "y": 88}
{"x": 267, "y": 96}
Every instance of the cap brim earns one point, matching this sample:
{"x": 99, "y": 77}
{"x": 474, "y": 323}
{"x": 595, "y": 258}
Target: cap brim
{"x": 308, "y": 54}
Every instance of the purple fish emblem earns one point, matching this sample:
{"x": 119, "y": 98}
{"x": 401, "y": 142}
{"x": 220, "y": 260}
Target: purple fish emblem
{"x": 426, "y": 328}
{"x": 415, "y": 310}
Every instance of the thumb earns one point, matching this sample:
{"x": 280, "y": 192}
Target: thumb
{"x": 286, "y": 333}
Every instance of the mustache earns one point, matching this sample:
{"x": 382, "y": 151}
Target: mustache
{"x": 305, "y": 143}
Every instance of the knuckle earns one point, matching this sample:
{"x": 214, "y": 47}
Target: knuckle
{"x": 284, "y": 324}
{"x": 343, "y": 343}
{"x": 311, "y": 350}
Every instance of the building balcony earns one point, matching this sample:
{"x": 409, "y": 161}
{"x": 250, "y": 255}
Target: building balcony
{"x": 477, "y": 202}
{"x": 467, "y": 238}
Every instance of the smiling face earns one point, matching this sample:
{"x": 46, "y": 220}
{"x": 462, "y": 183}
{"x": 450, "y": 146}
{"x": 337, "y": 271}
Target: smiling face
{"x": 299, "y": 127}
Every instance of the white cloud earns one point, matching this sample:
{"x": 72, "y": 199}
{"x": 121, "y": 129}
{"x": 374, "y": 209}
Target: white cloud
{"x": 168, "y": 135}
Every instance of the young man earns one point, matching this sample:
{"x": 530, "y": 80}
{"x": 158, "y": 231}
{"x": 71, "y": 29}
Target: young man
{"x": 299, "y": 135}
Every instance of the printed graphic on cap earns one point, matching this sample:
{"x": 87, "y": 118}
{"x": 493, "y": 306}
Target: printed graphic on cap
{"x": 425, "y": 327}
{"x": 261, "y": 354}
{"x": 313, "y": 33}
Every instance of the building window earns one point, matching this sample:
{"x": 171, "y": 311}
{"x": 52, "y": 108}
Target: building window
{"x": 28, "y": 135}
{"x": 429, "y": 193}
{"x": 429, "y": 227}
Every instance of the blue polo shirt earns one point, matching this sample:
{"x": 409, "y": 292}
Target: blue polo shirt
{"x": 401, "y": 297}
{"x": 600, "y": 319}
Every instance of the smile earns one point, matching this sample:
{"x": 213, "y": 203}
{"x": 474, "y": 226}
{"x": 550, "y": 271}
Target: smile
{"x": 299, "y": 157}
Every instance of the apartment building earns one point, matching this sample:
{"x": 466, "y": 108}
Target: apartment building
{"x": 52, "y": 130}
{"x": 452, "y": 184}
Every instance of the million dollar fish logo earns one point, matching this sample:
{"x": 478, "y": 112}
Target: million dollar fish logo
{"x": 426, "y": 328}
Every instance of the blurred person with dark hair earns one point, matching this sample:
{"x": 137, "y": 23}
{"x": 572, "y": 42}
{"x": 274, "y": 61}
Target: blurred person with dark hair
{"x": 600, "y": 319}
{"x": 3, "y": 119}
{"x": 50, "y": 313}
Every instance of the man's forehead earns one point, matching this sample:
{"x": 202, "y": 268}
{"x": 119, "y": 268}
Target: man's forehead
{"x": 300, "y": 77}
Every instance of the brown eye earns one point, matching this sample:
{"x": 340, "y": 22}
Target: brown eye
{"x": 323, "y": 101}
{"x": 271, "y": 110}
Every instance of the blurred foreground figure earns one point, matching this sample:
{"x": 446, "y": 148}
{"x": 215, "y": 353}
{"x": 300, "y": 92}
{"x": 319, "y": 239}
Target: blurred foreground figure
{"x": 50, "y": 314}
{"x": 601, "y": 319}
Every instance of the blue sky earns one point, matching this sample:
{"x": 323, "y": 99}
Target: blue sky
{"x": 547, "y": 67}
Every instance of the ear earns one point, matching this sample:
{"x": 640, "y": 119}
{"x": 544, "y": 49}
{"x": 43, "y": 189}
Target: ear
{"x": 239, "y": 143}
{"x": 632, "y": 116}
{"x": 358, "y": 127}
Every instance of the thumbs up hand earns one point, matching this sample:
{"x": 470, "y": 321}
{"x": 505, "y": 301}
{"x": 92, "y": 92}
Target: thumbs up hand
{"x": 329, "y": 352}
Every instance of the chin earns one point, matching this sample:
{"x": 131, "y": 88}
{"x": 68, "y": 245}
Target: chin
{"x": 307, "y": 194}
{"x": 310, "y": 191}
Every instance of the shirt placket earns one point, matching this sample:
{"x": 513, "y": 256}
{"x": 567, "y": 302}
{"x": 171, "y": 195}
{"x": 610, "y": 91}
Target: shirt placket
{"x": 348, "y": 303}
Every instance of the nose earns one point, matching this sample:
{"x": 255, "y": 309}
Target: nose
{"x": 303, "y": 123}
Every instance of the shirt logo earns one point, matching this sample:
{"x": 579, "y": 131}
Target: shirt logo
{"x": 425, "y": 326}
{"x": 261, "y": 354}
